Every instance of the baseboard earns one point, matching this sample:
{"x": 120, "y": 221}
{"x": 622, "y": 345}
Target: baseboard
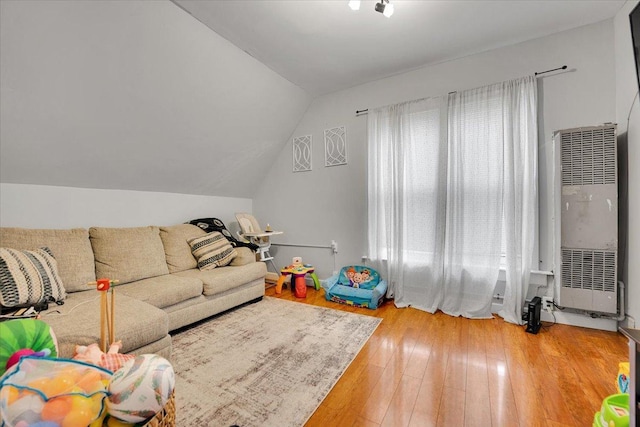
{"x": 581, "y": 320}
{"x": 572, "y": 319}
{"x": 271, "y": 277}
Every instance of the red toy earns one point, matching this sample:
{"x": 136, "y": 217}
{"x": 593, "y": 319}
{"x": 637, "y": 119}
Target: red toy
{"x": 297, "y": 272}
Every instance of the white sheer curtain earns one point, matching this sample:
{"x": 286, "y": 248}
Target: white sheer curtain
{"x": 406, "y": 198}
{"x": 444, "y": 186}
{"x": 474, "y": 202}
{"x": 521, "y": 190}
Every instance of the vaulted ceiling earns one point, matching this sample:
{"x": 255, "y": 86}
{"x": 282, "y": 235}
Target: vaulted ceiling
{"x": 140, "y": 95}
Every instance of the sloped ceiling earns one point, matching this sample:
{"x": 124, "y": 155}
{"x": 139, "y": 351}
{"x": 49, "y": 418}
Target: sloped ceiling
{"x": 139, "y": 95}
{"x": 135, "y": 95}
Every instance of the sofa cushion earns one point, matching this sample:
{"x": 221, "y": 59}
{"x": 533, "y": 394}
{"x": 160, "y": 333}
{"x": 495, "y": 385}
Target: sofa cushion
{"x": 29, "y": 277}
{"x": 71, "y": 249}
{"x": 77, "y": 322}
{"x": 163, "y": 291}
{"x": 245, "y": 256}
{"x": 128, "y": 254}
{"x": 176, "y": 249}
{"x": 212, "y": 250}
{"x": 224, "y": 278}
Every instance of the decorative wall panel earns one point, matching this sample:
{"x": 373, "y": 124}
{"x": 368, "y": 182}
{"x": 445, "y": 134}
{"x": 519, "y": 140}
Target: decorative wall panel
{"x": 335, "y": 146}
{"x": 302, "y": 153}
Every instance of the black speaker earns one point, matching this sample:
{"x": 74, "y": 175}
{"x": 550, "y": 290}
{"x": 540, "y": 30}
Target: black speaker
{"x": 533, "y": 315}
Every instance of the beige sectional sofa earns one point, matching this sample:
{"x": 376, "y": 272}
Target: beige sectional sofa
{"x": 160, "y": 289}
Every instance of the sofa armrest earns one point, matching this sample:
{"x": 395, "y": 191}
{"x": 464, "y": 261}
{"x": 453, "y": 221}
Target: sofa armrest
{"x": 329, "y": 283}
{"x": 245, "y": 256}
{"x": 380, "y": 289}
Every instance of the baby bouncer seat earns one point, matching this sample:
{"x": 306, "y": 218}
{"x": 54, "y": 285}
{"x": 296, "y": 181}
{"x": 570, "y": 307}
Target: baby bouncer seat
{"x": 356, "y": 285}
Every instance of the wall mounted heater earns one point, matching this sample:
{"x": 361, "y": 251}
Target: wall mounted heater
{"x": 589, "y": 218}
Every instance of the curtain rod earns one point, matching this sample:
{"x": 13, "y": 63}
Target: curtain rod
{"x": 537, "y": 73}
{"x": 564, "y": 67}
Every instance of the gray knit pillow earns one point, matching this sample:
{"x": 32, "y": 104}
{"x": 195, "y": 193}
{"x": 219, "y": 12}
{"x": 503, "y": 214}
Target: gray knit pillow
{"x": 29, "y": 277}
{"x": 212, "y": 250}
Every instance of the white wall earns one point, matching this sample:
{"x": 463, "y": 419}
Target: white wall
{"x": 330, "y": 203}
{"x": 135, "y": 95}
{"x": 40, "y": 206}
{"x": 628, "y": 119}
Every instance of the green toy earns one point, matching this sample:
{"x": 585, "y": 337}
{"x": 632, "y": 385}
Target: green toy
{"x": 614, "y": 412}
{"x": 20, "y": 335}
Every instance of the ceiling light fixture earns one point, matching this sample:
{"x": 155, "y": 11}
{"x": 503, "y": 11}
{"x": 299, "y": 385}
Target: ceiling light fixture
{"x": 354, "y": 4}
{"x": 385, "y": 8}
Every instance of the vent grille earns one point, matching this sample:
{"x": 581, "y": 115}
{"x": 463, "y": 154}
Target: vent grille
{"x": 589, "y": 156}
{"x": 589, "y": 269}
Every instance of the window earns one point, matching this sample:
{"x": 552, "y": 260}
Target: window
{"x": 452, "y": 190}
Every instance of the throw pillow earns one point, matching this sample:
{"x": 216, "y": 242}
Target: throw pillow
{"x": 212, "y": 250}
{"x": 71, "y": 248}
{"x": 29, "y": 277}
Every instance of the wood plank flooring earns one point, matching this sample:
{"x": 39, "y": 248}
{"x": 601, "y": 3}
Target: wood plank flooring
{"x": 420, "y": 369}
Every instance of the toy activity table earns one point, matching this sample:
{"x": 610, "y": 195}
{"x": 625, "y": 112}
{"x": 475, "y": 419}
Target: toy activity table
{"x": 297, "y": 272}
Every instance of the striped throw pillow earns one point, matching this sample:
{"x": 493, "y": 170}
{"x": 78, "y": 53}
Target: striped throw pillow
{"x": 29, "y": 277}
{"x": 212, "y": 250}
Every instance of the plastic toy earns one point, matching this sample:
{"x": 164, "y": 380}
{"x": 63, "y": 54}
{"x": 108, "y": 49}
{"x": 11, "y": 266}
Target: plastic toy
{"x": 356, "y": 285}
{"x": 107, "y": 314}
{"x": 52, "y": 392}
{"x": 15, "y": 357}
{"x": 614, "y": 412}
{"x": 22, "y": 337}
{"x": 297, "y": 272}
{"x": 111, "y": 360}
{"x": 622, "y": 381}
{"x": 141, "y": 388}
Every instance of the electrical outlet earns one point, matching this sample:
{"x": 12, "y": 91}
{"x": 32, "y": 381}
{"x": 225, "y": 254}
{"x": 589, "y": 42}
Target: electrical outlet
{"x": 547, "y": 304}
{"x": 334, "y": 246}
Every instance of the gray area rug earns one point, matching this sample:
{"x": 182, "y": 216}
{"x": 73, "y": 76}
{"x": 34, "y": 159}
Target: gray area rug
{"x": 267, "y": 364}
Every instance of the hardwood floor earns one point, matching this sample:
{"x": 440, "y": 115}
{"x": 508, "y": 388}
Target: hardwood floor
{"x": 420, "y": 369}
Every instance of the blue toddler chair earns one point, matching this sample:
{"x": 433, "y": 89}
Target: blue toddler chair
{"x": 356, "y": 285}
